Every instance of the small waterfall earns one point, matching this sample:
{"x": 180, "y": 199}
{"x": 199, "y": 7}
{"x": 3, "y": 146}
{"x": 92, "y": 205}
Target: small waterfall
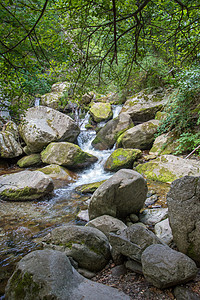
{"x": 116, "y": 110}
{"x": 37, "y": 101}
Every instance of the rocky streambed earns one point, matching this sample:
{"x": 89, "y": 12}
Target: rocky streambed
{"x": 118, "y": 147}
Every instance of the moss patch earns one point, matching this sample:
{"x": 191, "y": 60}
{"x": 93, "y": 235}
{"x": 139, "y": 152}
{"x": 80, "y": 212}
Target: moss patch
{"x": 89, "y": 188}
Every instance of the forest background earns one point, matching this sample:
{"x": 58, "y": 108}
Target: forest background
{"x": 104, "y": 45}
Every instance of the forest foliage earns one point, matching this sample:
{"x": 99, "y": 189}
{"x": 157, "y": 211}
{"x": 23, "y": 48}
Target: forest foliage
{"x": 99, "y": 45}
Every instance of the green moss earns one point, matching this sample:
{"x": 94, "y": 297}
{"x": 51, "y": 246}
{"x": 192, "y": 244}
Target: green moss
{"x": 154, "y": 172}
{"x": 101, "y": 111}
{"x": 29, "y": 160}
{"x": 23, "y": 284}
{"x": 89, "y": 188}
{"x": 20, "y": 194}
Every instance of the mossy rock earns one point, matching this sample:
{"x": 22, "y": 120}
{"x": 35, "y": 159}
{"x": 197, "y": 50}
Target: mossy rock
{"x": 164, "y": 144}
{"x": 30, "y": 160}
{"x": 101, "y": 111}
{"x": 122, "y": 158}
{"x": 89, "y": 188}
{"x": 67, "y": 154}
{"x": 58, "y": 172}
{"x": 168, "y": 168}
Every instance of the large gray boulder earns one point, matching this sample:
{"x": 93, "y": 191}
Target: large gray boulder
{"x": 107, "y": 224}
{"x": 9, "y": 146}
{"x": 42, "y": 125}
{"x": 67, "y": 154}
{"x": 122, "y": 194}
{"x": 88, "y": 246}
{"x": 143, "y": 106}
{"x": 48, "y": 274}
{"x": 107, "y": 136}
{"x": 164, "y": 267}
{"x": 25, "y": 185}
{"x": 132, "y": 241}
{"x": 184, "y": 215}
{"x": 140, "y": 136}
{"x": 167, "y": 168}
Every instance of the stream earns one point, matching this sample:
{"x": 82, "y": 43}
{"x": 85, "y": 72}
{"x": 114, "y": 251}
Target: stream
{"x": 22, "y": 222}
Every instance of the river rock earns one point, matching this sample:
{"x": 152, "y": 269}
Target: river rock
{"x": 48, "y": 274}
{"x": 25, "y": 185}
{"x": 52, "y": 100}
{"x": 67, "y": 154}
{"x": 163, "y": 231}
{"x": 152, "y": 216}
{"x": 164, "y": 267}
{"x": 164, "y": 144}
{"x": 139, "y": 137}
{"x": 183, "y": 293}
{"x": 131, "y": 242}
{"x": 143, "y": 106}
{"x": 184, "y": 215}
{"x": 9, "y": 147}
{"x": 107, "y": 224}
{"x": 88, "y": 246}
{"x": 122, "y": 194}
{"x": 107, "y": 136}
{"x": 42, "y": 125}
{"x": 30, "y": 160}
{"x": 11, "y": 127}
{"x": 57, "y": 172}
{"x": 122, "y": 158}
{"x": 167, "y": 168}
{"x": 100, "y": 111}
{"x": 87, "y": 98}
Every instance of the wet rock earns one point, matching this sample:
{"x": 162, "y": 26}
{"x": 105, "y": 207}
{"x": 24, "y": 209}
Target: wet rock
{"x": 107, "y": 224}
{"x": 67, "y": 154}
{"x": 167, "y": 168}
{"x": 42, "y": 125}
{"x": 25, "y": 185}
{"x": 9, "y": 147}
{"x": 122, "y": 158}
{"x": 183, "y": 293}
{"x": 143, "y": 106}
{"x": 100, "y": 111}
{"x": 131, "y": 242}
{"x": 57, "y": 172}
{"x": 164, "y": 267}
{"x": 153, "y": 216}
{"x": 86, "y": 245}
{"x": 107, "y": 136}
{"x": 163, "y": 231}
{"x": 140, "y": 136}
{"x": 184, "y": 215}
{"x": 122, "y": 194}
{"x": 48, "y": 274}
{"x": 30, "y": 160}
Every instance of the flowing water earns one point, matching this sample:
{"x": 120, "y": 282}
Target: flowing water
{"x": 22, "y": 222}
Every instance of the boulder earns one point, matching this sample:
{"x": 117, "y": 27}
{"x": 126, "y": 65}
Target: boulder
{"x": 88, "y": 246}
{"x": 87, "y": 98}
{"x": 151, "y": 216}
{"x": 122, "y": 158}
{"x": 52, "y": 100}
{"x": 183, "y": 293}
{"x": 164, "y": 267}
{"x": 163, "y": 231}
{"x": 11, "y": 127}
{"x": 122, "y": 194}
{"x": 57, "y": 172}
{"x": 67, "y": 154}
{"x": 164, "y": 144}
{"x": 48, "y": 274}
{"x": 132, "y": 241}
{"x": 107, "y": 224}
{"x": 140, "y": 136}
{"x": 143, "y": 106}
{"x": 30, "y": 160}
{"x": 100, "y": 111}
{"x": 107, "y": 136}
{"x": 25, "y": 185}
{"x": 9, "y": 147}
{"x": 42, "y": 125}
{"x": 60, "y": 87}
{"x": 184, "y": 215}
{"x": 167, "y": 168}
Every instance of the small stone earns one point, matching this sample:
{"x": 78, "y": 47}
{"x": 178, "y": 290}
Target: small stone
{"x": 134, "y": 266}
{"x": 134, "y": 218}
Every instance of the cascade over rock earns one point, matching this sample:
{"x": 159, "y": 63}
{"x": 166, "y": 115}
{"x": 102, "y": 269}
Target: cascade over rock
{"x": 42, "y": 125}
{"x": 122, "y": 194}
